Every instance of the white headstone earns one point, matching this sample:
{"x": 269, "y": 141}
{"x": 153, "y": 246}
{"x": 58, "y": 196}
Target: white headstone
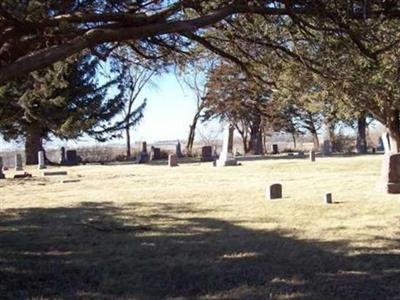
{"x": 226, "y": 157}
{"x": 18, "y": 162}
{"x": 386, "y": 142}
{"x": 41, "y": 161}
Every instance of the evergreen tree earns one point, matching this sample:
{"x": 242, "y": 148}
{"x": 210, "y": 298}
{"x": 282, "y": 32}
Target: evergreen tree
{"x": 64, "y": 101}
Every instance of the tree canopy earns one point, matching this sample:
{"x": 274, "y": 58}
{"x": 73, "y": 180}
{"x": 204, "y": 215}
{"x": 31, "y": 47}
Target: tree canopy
{"x": 34, "y": 33}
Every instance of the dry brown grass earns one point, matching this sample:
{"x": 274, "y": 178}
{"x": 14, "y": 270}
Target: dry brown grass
{"x": 198, "y": 232}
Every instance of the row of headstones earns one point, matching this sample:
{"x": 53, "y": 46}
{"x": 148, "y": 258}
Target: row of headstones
{"x": 69, "y": 157}
{"x": 155, "y": 154}
{"x": 227, "y": 158}
{"x": 19, "y": 167}
{"x": 274, "y": 191}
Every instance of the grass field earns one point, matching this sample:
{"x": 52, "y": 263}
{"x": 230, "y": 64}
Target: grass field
{"x": 198, "y": 232}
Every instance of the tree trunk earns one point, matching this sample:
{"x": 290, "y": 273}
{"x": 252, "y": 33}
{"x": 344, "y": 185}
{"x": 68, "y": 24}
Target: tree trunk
{"x": 33, "y": 143}
{"x": 362, "y": 134}
{"x": 329, "y": 134}
{"x": 256, "y": 143}
{"x": 393, "y": 128}
{"x": 309, "y": 124}
{"x": 192, "y": 131}
{"x": 294, "y": 140}
{"x": 128, "y": 142}
{"x": 245, "y": 143}
{"x": 315, "y": 140}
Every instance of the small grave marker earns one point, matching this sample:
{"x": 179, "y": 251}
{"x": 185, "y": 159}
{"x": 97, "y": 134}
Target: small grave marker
{"x": 41, "y": 160}
{"x": 172, "y": 160}
{"x": 274, "y": 191}
{"x": 206, "y": 154}
{"x": 328, "y": 198}
{"x": 312, "y": 156}
{"x": 70, "y": 181}
{"x": 275, "y": 149}
{"x": 55, "y": 173}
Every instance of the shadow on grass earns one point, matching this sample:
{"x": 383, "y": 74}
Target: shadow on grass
{"x": 100, "y": 251}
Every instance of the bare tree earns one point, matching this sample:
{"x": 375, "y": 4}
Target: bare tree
{"x": 137, "y": 79}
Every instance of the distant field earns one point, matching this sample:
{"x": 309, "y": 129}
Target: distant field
{"x": 199, "y": 232}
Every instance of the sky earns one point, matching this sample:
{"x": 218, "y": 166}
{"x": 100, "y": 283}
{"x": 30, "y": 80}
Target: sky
{"x": 169, "y": 112}
{"x": 170, "y": 108}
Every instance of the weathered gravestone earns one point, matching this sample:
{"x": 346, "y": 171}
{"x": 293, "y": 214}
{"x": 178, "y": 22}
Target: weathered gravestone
{"x": 55, "y": 173}
{"x": 41, "y": 160}
{"x": 226, "y": 157}
{"x": 2, "y": 176}
{"x": 380, "y": 145}
{"x": 143, "y": 156}
{"x": 390, "y": 174}
{"x": 274, "y": 191}
{"x": 22, "y": 176}
{"x": 172, "y": 160}
{"x": 275, "y": 149}
{"x": 178, "y": 150}
{"x": 301, "y": 154}
{"x": 328, "y": 198}
{"x": 326, "y": 148}
{"x": 155, "y": 153}
{"x": 206, "y": 154}
{"x": 18, "y": 162}
{"x": 63, "y": 159}
{"x": 312, "y": 156}
{"x": 72, "y": 158}
{"x": 70, "y": 181}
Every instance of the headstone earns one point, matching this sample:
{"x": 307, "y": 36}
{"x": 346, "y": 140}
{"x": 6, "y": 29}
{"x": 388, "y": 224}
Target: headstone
{"x": 143, "y": 156}
{"x": 226, "y": 157}
{"x": 386, "y": 142}
{"x": 215, "y": 153}
{"x": 24, "y": 175}
{"x": 55, "y": 173}
{"x": 328, "y": 198}
{"x": 70, "y": 181}
{"x": 275, "y": 149}
{"x": 301, "y": 154}
{"x": 390, "y": 174}
{"x": 312, "y": 156}
{"x": 274, "y": 191}
{"x": 326, "y": 147}
{"x": 18, "y": 162}
{"x": 172, "y": 160}
{"x": 72, "y": 158}
{"x": 380, "y": 145}
{"x": 155, "y": 153}
{"x": 63, "y": 159}
{"x": 41, "y": 160}
{"x": 206, "y": 154}
{"x": 2, "y": 176}
{"x": 179, "y": 150}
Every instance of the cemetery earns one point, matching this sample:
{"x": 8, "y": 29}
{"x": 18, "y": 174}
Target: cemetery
{"x": 199, "y": 149}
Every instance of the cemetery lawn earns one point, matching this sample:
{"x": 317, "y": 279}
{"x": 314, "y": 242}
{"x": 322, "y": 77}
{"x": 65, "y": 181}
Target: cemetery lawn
{"x": 198, "y": 232}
